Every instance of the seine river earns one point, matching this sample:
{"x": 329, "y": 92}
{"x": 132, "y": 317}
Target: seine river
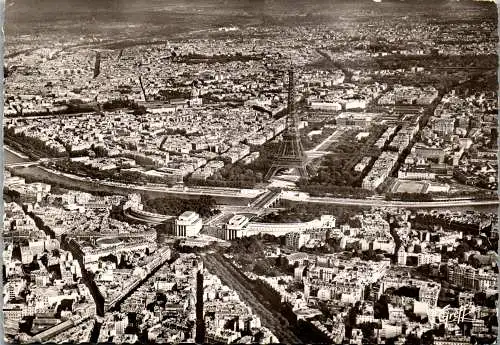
{"x": 37, "y": 173}
{"x": 10, "y": 158}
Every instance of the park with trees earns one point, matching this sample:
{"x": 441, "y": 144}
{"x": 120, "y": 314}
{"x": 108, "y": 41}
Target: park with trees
{"x": 205, "y": 205}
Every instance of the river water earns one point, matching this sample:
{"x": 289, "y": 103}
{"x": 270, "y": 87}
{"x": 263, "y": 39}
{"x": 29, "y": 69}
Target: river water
{"x": 10, "y": 158}
{"x": 39, "y": 174}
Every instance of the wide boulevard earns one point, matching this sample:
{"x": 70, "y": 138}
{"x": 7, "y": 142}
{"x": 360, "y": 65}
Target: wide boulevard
{"x": 271, "y": 318}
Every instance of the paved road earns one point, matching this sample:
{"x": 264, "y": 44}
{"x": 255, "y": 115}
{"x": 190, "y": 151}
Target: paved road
{"x": 21, "y": 165}
{"x": 268, "y": 198}
{"x": 385, "y": 203}
{"x": 15, "y": 152}
{"x": 350, "y": 201}
{"x": 163, "y": 189}
{"x": 154, "y": 219}
{"x": 218, "y": 192}
{"x": 270, "y": 318}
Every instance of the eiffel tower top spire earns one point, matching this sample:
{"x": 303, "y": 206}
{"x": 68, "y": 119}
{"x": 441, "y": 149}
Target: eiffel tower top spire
{"x": 292, "y": 121}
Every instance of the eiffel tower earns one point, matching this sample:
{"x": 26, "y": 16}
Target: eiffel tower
{"x": 291, "y": 154}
